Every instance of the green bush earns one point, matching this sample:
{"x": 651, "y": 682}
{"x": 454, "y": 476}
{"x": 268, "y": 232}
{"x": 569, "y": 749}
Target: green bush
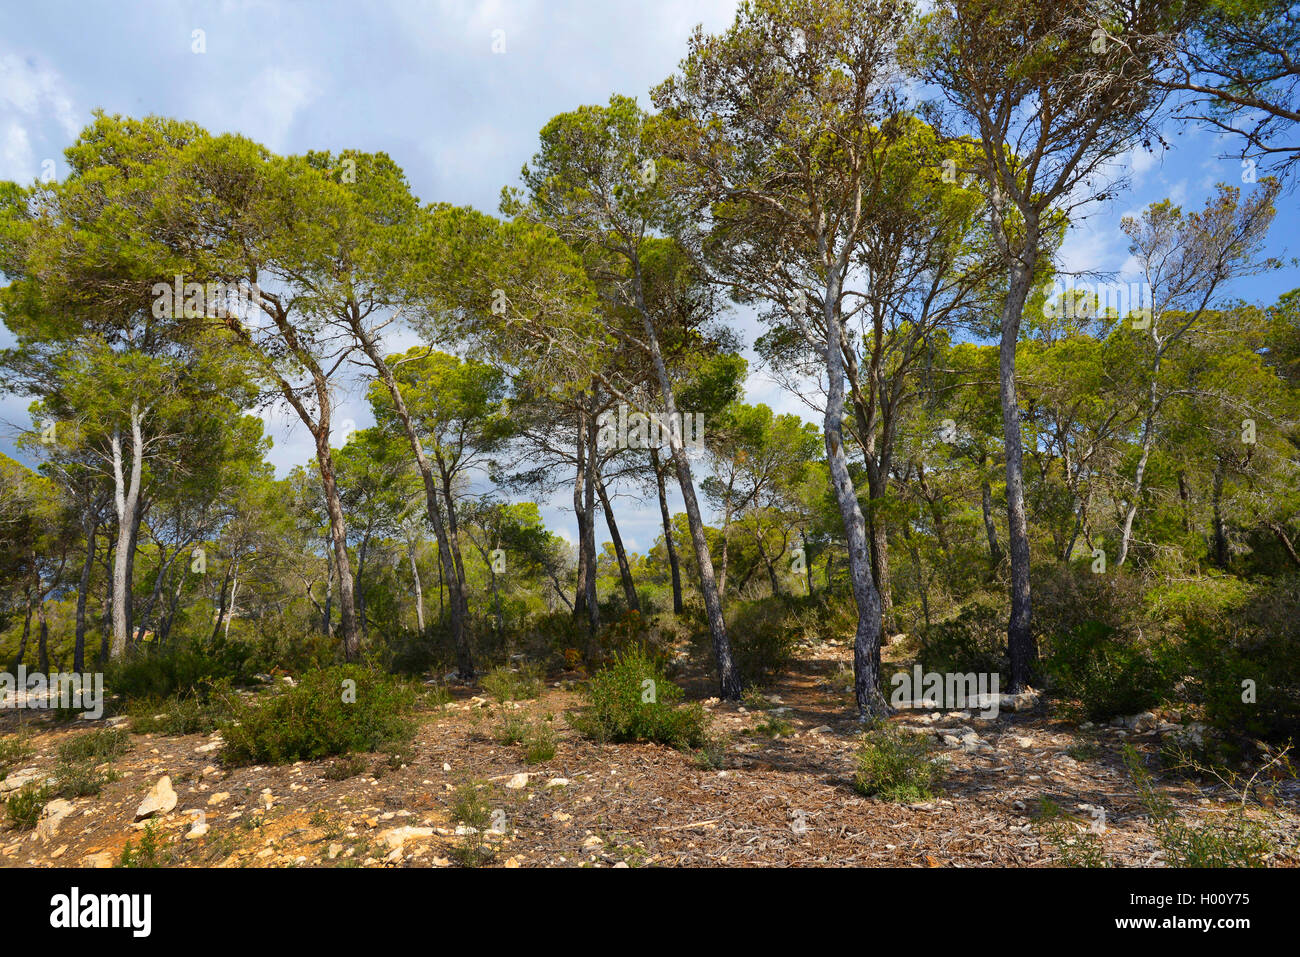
{"x": 81, "y": 779}
{"x": 14, "y": 750}
{"x": 514, "y": 684}
{"x": 1110, "y": 672}
{"x": 185, "y": 714}
{"x": 896, "y": 766}
{"x": 974, "y": 641}
{"x": 189, "y": 670}
{"x": 539, "y": 741}
{"x": 332, "y": 711}
{"x": 632, "y": 700}
{"x": 25, "y": 805}
{"x": 97, "y": 746}
{"x": 764, "y": 637}
{"x": 1260, "y": 643}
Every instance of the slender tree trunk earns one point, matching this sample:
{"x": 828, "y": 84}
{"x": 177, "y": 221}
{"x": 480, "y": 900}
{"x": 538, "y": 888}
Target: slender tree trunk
{"x": 419, "y": 589}
{"x": 673, "y": 566}
{"x": 83, "y": 588}
{"x": 1185, "y": 497}
{"x": 580, "y": 513}
{"x": 27, "y": 629}
{"x": 990, "y": 528}
{"x": 459, "y": 605}
{"x": 729, "y": 678}
{"x": 1287, "y": 544}
{"x": 338, "y": 532}
{"x": 807, "y": 561}
{"x": 1020, "y": 637}
{"x": 1220, "y": 534}
{"x": 624, "y": 568}
{"x": 127, "y": 502}
{"x": 866, "y": 643}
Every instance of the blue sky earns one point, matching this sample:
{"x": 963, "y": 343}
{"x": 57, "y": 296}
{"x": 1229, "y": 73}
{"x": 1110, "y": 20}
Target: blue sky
{"x": 421, "y": 81}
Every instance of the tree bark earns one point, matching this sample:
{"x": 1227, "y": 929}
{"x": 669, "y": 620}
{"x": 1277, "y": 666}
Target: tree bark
{"x": 729, "y": 679}
{"x": 1021, "y": 645}
{"x": 459, "y": 605}
{"x": 127, "y": 503}
{"x": 624, "y": 568}
{"x": 83, "y": 587}
{"x": 673, "y": 566}
{"x": 866, "y": 643}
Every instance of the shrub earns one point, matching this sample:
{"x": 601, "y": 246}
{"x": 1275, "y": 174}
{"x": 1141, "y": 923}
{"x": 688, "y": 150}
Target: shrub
{"x": 1110, "y": 672}
{"x": 25, "y": 805}
{"x": 896, "y": 766}
{"x": 632, "y": 700}
{"x": 539, "y": 742}
{"x": 14, "y": 751}
{"x": 345, "y": 767}
{"x": 147, "y": 854}
{"x": 1260, "y": 643}
{"x": 331, "y": 711}
{"x": 1236, "y": 842}
{"x": 512, "y": 729}
{"x": 974, "y": 641}
{"x": 472, "y": 813}
{"x": 188, "y": 670}
{"x": 514, "y": 684}
{"x": 1075, "y": 843}
{"x": 81, "y": 779}
{"x": 186, "y": 714}
{"x": 97, "y": 746}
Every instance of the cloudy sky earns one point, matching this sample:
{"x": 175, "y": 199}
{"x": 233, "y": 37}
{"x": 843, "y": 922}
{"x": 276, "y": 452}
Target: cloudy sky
{"x": 455, "y": 91}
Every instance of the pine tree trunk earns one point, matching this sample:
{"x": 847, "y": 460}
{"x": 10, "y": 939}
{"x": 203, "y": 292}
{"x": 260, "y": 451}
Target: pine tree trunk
{"x": 1020, "y": 639}
{"x": 673, "y": 566}
{"x": 624, "y": 568}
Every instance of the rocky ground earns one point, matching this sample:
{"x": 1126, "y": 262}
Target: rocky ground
{"x": 778, "y": 794}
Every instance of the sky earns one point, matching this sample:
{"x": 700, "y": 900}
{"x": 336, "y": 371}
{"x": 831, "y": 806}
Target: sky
{"x": 455, "y": 92}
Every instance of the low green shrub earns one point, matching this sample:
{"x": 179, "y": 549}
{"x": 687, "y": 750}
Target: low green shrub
{"x": 332, "y": 711}
{"x": 539, "y": 741}
{"x": 14, "y": 750}
{"x": 189, "y": 670}
{"x": 1235, "y": 841}
{"x": 81, "y": 779}
{"x": 895, "y": 765}
{"x": 185, "y": 714}
{"x": 514, "y": 684}
{"x": 97, "y": 746}
{"x": 1110, "y": 672}
{"x": 632, "y": 700}
{"x": 25, "y": 805}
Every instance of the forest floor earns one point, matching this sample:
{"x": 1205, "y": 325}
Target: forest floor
{"x": 783, "y": 800}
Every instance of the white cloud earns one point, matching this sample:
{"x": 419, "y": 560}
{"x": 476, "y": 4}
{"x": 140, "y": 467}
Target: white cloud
{"x": 35, "y": 90}
{"x": 17, "y": 161}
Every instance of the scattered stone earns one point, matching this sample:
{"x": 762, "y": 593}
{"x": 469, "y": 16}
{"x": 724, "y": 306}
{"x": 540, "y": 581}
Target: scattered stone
{"x": 99, "y": 859}
{"x": 219, "y": 797}
{"x": 518, "y": 781}
{"x": 396, "y": 837}
{"x": 558, "y": 783}
{"x": 52, "y": 815}
{"x": 160, "y": 800}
